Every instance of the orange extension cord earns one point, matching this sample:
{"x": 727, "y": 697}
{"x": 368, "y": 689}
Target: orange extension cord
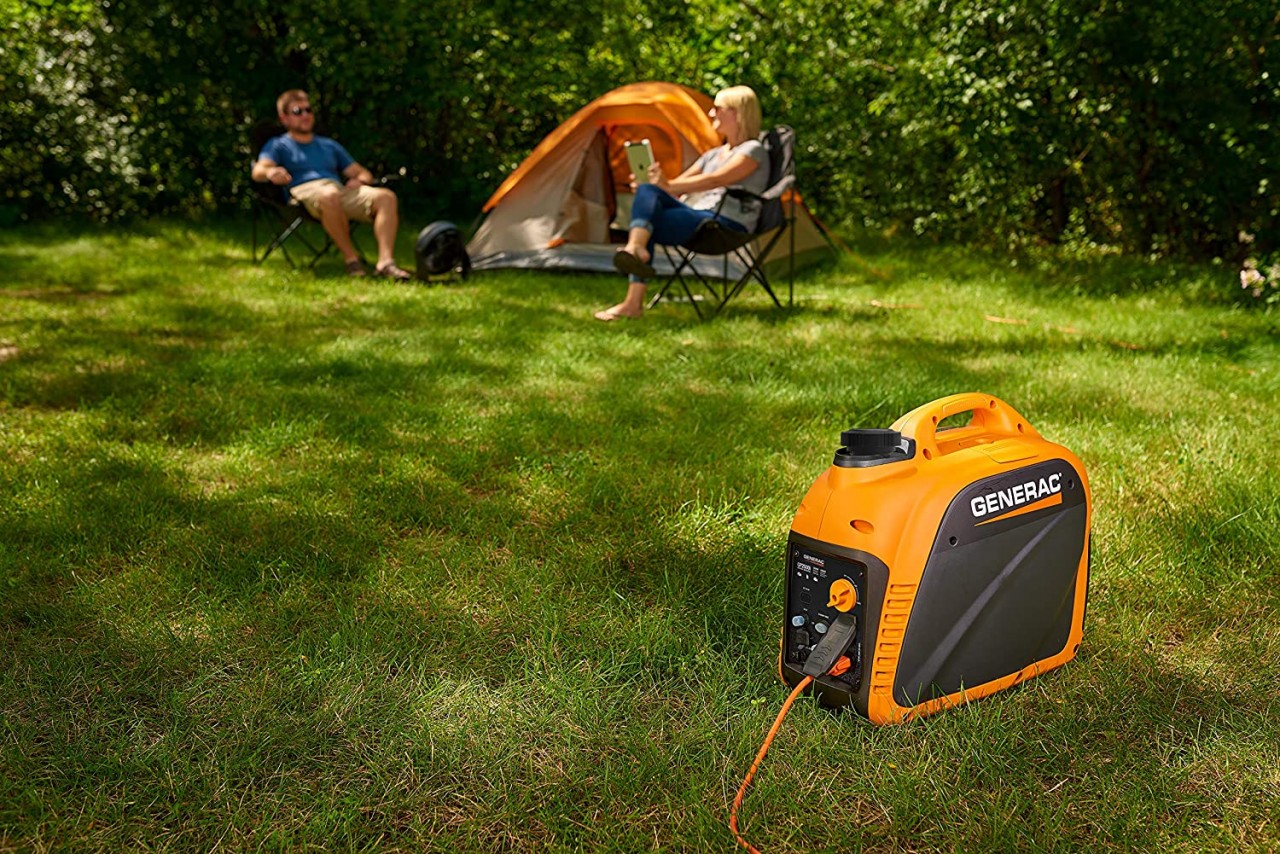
{"x": 842, "y": 664}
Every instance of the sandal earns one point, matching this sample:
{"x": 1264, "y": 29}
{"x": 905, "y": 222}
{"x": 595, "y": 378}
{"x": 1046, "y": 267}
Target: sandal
{"x": 627, "y": 263}
{"x": 391, "y": 271}
{"x": 356, "y": 270}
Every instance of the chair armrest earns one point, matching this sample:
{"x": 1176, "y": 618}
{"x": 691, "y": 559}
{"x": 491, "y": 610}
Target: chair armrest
{"x": 774, "y": 192}
{"x": 778, "y": 189}
{"x": 384, "y": 180}
{"x": 272, "y": 194}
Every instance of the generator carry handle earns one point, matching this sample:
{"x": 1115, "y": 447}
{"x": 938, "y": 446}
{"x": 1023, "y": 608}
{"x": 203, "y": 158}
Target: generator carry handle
{"x": 992, "y": 419}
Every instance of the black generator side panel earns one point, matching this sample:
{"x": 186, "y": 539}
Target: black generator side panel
{"x": 812, "y": 565}
{"x": 998, "y": 590}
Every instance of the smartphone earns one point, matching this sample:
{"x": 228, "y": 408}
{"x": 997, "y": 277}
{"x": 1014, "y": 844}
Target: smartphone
{"x": 640, "y": 156}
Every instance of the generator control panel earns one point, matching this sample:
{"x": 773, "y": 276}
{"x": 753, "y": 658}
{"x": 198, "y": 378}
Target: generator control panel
{"x": 821, "y": 587}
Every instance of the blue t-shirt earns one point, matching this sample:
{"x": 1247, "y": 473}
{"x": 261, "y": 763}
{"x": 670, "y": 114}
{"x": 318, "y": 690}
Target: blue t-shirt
{"x": 322, "y": 157}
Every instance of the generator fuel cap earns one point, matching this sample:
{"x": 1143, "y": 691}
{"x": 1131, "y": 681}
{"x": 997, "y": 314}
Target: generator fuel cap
{"x": 862, "y": 447}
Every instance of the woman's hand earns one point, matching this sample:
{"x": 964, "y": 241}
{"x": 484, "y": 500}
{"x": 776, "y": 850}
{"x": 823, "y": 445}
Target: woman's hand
{"x": 656, "y": 177}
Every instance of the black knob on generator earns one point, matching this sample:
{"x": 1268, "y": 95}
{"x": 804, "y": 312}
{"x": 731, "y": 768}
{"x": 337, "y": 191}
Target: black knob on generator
{"x": 872, "y": 448}
{"x": 870, "y": 443}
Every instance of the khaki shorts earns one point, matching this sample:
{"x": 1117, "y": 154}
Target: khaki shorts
{"x": 357, "y": 202}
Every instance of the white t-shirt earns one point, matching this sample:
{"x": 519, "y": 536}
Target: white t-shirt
{"x": 744, "y": 211}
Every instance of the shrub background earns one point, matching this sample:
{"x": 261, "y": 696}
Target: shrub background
{"x": 1150, "y": 129}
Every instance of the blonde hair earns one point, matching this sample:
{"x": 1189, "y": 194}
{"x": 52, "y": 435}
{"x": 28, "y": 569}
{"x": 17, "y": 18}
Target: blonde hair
{"x": 288, "y": 98}
{"x": 743, "y": 100}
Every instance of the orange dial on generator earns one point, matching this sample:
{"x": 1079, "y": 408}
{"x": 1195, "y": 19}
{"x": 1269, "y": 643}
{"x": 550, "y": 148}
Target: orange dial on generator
{"x": 843, "y": 595}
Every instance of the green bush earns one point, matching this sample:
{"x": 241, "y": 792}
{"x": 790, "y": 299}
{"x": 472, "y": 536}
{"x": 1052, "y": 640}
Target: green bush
{"x": 1148, "y": 130}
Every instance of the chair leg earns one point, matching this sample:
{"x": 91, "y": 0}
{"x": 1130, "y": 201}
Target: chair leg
{"x": 754, "y": 271}
{"x": 666, "y": 285}
{"x": 759, "y": 275}
{"x": 693, "y": 302}
{"x": 287, "y": 224}
{"x": 734, "y": 289}
{"x": 753, "y": 261}
{"x": 764, "y": 283}
{"x": 697, "y": 274}
{"x": 791, "y": 258}
{"x": 686, "y": 263}
{"x": 317, "y": 254}
{"x": 763, "y": 278}
{"x": 257, "y": 215}
{"x": 281, "y": 239}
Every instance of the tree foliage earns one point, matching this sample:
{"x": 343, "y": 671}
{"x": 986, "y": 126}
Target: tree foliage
{"x": 1149, "y": 128}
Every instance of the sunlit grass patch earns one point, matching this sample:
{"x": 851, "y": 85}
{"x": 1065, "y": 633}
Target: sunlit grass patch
{"x": 290, "y": 560}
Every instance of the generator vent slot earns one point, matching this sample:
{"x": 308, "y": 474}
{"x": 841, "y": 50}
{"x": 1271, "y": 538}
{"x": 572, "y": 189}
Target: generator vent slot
{"x": 897, "y": 607}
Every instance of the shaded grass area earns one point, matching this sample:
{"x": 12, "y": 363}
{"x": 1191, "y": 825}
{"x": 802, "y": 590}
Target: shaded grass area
{"x": 288, "y": 560}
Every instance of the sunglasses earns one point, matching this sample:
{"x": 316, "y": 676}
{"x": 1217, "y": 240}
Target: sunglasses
{"x": 297, "y": 111}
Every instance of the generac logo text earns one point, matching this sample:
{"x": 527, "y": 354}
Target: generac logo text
{"x": 1016, "y": 495}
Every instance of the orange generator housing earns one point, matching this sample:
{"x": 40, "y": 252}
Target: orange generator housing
{"x": 948, "y": 564}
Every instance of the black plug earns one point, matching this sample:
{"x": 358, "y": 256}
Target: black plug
{"x": 833, "y": 645}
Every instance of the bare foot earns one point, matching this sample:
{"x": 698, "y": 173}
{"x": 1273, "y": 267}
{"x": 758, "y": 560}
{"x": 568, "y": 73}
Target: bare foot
{"x": 619, "y": 310}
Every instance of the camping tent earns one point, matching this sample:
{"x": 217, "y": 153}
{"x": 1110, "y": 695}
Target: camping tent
{"x": 567, "y": 205}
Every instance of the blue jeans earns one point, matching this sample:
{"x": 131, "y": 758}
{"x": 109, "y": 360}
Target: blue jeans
{"x": 668, "y": 220}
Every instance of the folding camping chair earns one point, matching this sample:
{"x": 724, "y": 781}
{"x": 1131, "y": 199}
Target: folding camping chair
{"x": 777, "y": 218}
{"x": 273, "y": 215}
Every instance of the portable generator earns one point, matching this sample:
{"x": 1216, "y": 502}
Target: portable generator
{"x": 945, "y": 564}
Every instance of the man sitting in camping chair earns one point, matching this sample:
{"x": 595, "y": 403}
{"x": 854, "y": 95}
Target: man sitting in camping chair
{"x": 330, "y": 184}
{"x": 657, "y": 216}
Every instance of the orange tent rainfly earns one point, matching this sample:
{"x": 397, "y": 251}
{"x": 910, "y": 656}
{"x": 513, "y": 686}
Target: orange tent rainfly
{"x": 568, "y": 204}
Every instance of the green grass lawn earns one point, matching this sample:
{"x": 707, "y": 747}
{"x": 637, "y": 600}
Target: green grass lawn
{"x": 292, "y": 561}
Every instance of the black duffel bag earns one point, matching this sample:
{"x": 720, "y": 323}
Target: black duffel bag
{"x": 440, "y": 249}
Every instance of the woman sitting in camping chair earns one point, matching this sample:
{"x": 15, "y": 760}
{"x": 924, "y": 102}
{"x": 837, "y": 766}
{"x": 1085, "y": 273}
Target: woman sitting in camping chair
{"x": 658, "y": 216}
